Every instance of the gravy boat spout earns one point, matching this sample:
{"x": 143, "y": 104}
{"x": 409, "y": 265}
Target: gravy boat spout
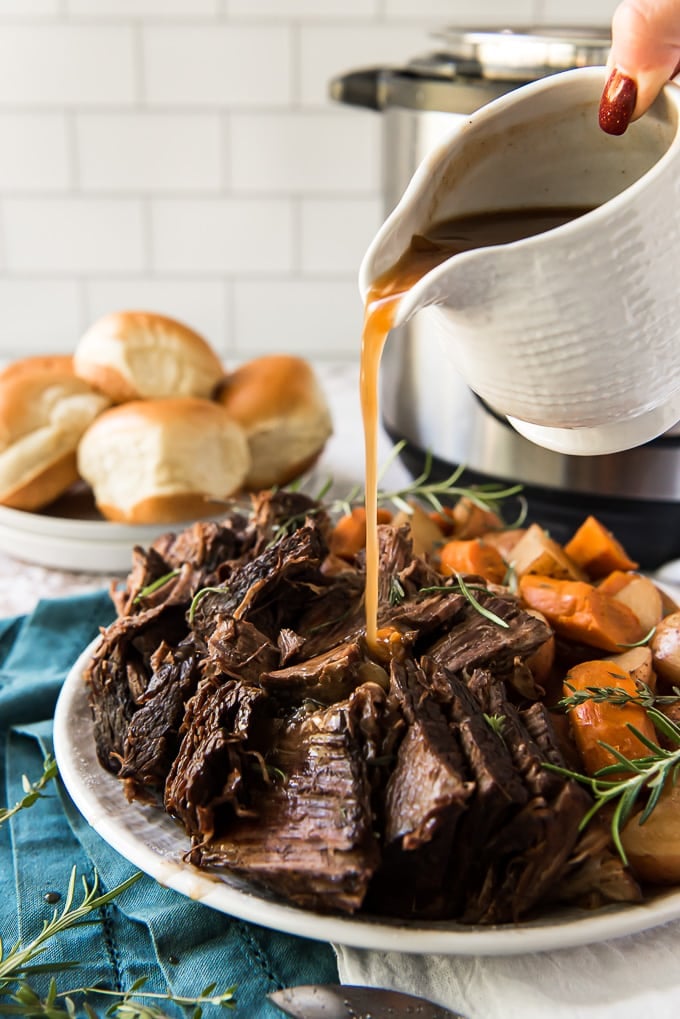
{"x": 572, "y": 333}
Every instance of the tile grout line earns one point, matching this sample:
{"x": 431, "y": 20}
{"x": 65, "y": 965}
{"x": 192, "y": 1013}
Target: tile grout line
{"x": 73, "y": 153}
{"x": 138, "y": 67}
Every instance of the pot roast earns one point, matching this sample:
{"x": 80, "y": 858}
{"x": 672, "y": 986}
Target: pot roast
{"x": 235, "y": 690}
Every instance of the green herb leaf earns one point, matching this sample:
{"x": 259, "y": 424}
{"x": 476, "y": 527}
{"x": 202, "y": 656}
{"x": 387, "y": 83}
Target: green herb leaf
{"x": 642, "y": 775}
{"x": 15, "y": 962}
{"x": 495, "y": 722}
{"x": 397, "y": 592}
{"x": 644, "y": 696}
{"x": 33, "y": 790}
{"x": 423, "y": 489}
{"x": 466, "y": 590}
{"x": 144, "y": 592}
{"x": 198, "y": 598}
{"x": 644, "y": 640}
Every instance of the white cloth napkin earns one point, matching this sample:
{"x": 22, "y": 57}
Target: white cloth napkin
{"x": 636, "y": 977}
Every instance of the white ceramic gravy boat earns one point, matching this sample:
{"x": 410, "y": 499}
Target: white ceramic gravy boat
{"x": 573, "y": 334}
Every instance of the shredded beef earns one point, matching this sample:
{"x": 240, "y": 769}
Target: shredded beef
{"x": 236, "y": 687}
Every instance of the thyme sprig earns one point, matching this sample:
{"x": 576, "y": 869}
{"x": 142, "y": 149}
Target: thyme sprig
{"x": 18, "y": 965}
{"x": 645, "y": 696}
{"x": 466, "y": 590}
{"x": 649, "y": 774}
{"x": 33, "y": 791}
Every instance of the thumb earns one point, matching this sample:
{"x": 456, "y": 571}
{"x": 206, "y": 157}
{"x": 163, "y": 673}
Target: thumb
{"x": 645, "y": 54}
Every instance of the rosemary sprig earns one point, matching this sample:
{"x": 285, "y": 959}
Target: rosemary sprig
{"x": 126, "y": 1006}
{"x": 648, "y": 774}
{"x": 32, "y": 790}
{"x": 198, "y": 598}
{"x": 397, "y": 592}
{"x": 423, "y": 489}
{"x": 643, "y": 640}
{"x": 645, "y": 696}
{"x": 466, "y": 590}
{"x": 144, "y": 592}
{"x": 495, "y": 722}
{"x": 18, "y": 964}
{"x": 15, "y": 963}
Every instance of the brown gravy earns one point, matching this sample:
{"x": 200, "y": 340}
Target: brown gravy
{"x": 445, "y": 239}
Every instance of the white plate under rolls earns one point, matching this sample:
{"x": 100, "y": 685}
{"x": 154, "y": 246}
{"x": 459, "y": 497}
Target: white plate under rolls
{"x": 73, "y": 536}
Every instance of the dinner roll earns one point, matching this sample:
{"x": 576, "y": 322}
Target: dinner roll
{"x": 279, "y": 403}
{"x": 163, "y": 461}
{"x": 132, "y": 355}
{"x": 44, "y": 410}
{"x": 28, "y": 365}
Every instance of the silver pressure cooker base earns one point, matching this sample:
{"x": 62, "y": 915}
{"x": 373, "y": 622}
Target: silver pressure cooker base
{"x": 649, "y": 529}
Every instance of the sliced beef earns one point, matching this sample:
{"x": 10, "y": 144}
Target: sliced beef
{"x": 529, "y": 757}
{"x": 309, "y": 834}
{"x": 189, "y": 560}
{"x": 395, "y": 551}
{"x": 290, "y": 644}
{"x": 327, "y": 678}
{"x": 499, "y": 792}
{"x": 224, "y": 728}
{"x": 278, "y": 513}
{"x": 206, "y": 544}
{"x": 527, "y": 855}
{"x": 269, "y": 590}
{"x": 237, "y": 683}
{"x": 152, "y": 738}
{"x": 147, "y": 567}
{"x": 428, "y": 614}
{"x": 334, "y": 615}
{"x": 119, "y": 672}
{"x": 540, "y": 726}
{"x": 477, "y": 642}
{"x": 426, "y": 794}
{"x": 237, "y": 649}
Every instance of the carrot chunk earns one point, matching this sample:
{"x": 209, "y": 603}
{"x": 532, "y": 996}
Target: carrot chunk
{"x": 593, "y": 724}
{"x": 580, "y": 611}
{"x": 597, "y": 551}
{"x": 349, "y": 534}
{"x": 473, "y": 556}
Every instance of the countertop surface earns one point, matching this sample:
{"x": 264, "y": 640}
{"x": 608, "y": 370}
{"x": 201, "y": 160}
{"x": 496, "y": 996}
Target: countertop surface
{"x": 23, "y": 584}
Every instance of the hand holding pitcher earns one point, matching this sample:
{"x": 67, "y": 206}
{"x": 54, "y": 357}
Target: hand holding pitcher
{"x": 645, "y": 54}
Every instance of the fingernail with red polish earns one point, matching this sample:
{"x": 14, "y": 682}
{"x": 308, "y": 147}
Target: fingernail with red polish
{"x": 617, "y": 103}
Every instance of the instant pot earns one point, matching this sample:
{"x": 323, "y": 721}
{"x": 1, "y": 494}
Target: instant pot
{"x": 635, "y": 493}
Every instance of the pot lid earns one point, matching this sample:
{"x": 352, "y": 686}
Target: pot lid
{"x": 512, "y": 54}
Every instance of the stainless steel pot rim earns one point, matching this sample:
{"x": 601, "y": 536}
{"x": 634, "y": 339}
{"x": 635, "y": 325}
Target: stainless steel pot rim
{"x": 513, "y": 54}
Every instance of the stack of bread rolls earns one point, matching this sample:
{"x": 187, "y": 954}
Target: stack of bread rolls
{"x": 146, "y": 415}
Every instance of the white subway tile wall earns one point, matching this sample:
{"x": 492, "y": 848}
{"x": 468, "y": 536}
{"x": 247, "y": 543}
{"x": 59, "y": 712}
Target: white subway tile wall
{"x": 184, "y": 156}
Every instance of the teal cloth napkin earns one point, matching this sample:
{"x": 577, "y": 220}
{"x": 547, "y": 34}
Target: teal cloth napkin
{"x": 152, "y": 932}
